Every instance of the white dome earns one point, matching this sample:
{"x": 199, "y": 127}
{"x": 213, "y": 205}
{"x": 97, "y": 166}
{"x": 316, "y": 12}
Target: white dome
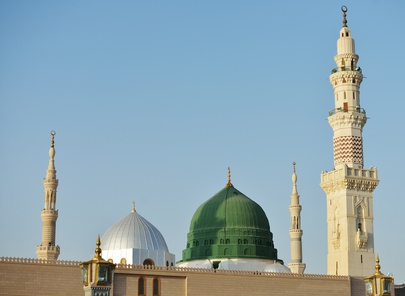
{"x": 133, "y": 232}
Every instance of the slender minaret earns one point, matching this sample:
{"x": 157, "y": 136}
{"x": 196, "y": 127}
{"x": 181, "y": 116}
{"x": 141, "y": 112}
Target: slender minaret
{"x": 48, "y": 250}
{"x": 349, "y": 187}
{"x": 296, "y": 265}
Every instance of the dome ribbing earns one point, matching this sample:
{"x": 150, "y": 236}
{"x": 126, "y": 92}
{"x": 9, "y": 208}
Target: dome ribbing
{"x": 229, "y": 225}
{"x": 133, "y": 232}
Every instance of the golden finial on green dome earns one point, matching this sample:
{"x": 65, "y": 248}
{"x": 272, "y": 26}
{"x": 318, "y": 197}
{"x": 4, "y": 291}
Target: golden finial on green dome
{"x": 229, "y": 184}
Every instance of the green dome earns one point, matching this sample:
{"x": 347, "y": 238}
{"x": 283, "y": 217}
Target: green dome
{"x": 229, "y": 225}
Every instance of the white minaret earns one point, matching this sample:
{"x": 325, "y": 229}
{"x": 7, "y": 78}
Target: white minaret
{"x": 349, "y": 187}
{"x": 48, "y": 250}
{"x": 296, "y": 264}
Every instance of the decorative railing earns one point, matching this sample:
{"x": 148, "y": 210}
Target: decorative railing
{"x": 370, "y": 173}
{"x": 227, "y": 271}
{"x": 177, "y": 269}
{"x": 348, "y": 109}
{"x": 51, "y": 248}
{"x": 38, "y": 261}
{"x": 343, "y": 68}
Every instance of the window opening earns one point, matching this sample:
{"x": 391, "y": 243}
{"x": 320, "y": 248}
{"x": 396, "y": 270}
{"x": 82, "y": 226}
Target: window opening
{"x": 141, "y": 286}
{"x": 148, "y": 262}
{"x": 156, "y": 287}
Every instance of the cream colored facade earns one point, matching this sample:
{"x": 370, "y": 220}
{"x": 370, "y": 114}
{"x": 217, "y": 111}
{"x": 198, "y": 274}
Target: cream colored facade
{"x": 349, "y": 187}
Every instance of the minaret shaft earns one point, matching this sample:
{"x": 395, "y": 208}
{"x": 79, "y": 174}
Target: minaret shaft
{"x": 48, "y": 249}
{"x": 349, "y": 186}
{"x": 296, "y": 265}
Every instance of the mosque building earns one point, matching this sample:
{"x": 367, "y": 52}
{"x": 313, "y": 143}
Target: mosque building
{"x": 230, "y": 249}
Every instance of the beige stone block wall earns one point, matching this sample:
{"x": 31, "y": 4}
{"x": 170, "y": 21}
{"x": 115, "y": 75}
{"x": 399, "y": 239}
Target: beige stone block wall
{"x": 357, "y": 286}
{"x": 126, "y": 282}
{"x": 217, "y": 284}
{"x": 193, "y": 282}
{"x": 26, "y": 277}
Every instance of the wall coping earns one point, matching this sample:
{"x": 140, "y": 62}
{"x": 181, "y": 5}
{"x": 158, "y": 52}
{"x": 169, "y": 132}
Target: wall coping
{"x": 123, "y": 267}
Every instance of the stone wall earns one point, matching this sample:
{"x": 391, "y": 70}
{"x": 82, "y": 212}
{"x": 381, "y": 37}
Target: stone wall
{"x": 25, "y": 277}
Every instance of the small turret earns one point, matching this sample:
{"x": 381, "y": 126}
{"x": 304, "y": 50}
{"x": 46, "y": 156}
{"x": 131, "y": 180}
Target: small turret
{"x": 97, "y": 274}
{"x": 378, "y": 284}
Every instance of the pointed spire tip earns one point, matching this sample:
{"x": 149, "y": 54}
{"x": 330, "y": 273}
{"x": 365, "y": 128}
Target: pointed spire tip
{"x": 98, "y": 249}
{"x": 294, "y": 180}
{"x": 53, "y": 133}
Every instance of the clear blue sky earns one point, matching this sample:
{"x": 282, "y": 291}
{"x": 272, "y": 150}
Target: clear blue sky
{"x": 153, "y": 100}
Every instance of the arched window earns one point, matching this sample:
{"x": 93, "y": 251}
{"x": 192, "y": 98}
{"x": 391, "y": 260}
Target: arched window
{"x": 148, "y": 262}
{"x": 156, "y": 287}
{"x": 360, "y": 217}
{"x": 141, "y": 286}
{"x": 246, "y": 252}
{"x": 227, "y": 241}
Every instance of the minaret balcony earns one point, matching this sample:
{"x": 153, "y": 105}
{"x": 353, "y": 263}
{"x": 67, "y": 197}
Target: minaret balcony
{"x": 347, "y": 178}
{"x": 347, "y": 109}
{"x": 48, "y": 248}
{"x": 350, "y": 172}
{"x": 344, "y": 68}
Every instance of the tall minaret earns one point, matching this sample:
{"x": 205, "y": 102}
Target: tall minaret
{"x": 48, "y": 250}
{"x": 349, "y": 187}
{"x": 296, "y": 264}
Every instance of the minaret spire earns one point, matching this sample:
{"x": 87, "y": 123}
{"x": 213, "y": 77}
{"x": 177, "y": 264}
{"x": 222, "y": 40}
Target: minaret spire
{"x": 349, "y": 187}
{"x": 296, "y": 232}
{"x": 344, "y": 10}
{"x": 48, "y": 249}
